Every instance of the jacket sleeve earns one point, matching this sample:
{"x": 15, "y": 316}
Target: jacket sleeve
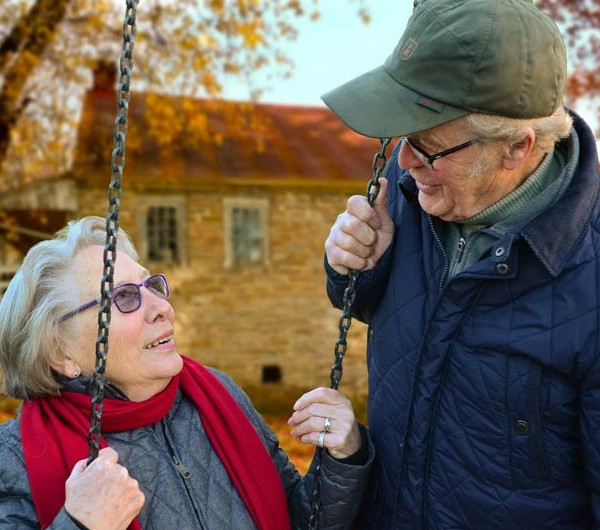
{"x": 16, "y": 504}
{"x": 343, "y": 485}
{"x": 370, "y": 286}
{"x": 343, "y": 488}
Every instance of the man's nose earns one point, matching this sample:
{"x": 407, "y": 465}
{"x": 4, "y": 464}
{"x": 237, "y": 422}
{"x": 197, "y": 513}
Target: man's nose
{"x": 407, "y": 158}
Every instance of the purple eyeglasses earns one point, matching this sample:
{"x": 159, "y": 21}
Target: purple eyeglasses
{"x": 127, "y": 297}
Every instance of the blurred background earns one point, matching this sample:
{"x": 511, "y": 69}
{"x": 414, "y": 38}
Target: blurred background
{"x": 235, "y": 170}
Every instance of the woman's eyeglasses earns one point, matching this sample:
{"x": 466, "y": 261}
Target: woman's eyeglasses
{"x": 127, "y": 297}
{"x": 428, "y": 159}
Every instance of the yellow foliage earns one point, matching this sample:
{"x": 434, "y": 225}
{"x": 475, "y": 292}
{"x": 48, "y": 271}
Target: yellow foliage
{"x": 250, "y": 32}
{"x": 210, "y": 83}
{"x": 207, "y": 41}
{"x": 164, "y": 122}
{"x": 185, "y": 46}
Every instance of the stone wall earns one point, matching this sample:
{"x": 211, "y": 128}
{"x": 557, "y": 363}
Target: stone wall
{"x": 244, "y": 318}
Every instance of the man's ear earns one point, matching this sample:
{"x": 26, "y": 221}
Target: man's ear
{"x": 519, "y": 152}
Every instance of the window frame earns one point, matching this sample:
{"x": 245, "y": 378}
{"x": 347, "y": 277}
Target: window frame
{"x": 143, "y": 205}
{"x": 260, "y": 204}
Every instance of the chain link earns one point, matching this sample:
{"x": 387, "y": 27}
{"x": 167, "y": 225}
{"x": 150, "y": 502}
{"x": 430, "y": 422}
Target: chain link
{"x": 373, "y": 187}
{"x": 109, "y": 257}
{"x": 112, "y": 227}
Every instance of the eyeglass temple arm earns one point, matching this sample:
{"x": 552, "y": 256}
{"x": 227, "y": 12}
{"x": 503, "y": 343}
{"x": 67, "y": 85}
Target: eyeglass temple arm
{"x": 454, "y": 149}
{"x": 80, "y": 308}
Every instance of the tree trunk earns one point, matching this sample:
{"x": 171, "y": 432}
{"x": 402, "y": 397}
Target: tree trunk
{"x": 20, "y": 53}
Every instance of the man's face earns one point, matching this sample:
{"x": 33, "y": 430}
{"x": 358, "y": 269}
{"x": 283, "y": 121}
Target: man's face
{"x": 461, "y": 184}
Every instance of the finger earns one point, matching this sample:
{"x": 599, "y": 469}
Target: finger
{"x": 342, "y": 261}
{"x": 358, "y": 206}
{"x": 78, "y": 468}
{"x": 354, "y": 237}
{"x": 106, "y": 461}
{"x": 108, "y": 454}
{"x": 318, "y": 424}
{"x": 381, "y": 207}
{"x": 320, "y": 411}
{"x": 319, "y": 395}
{"x": 321, "y": 439}
{"x": 380, "y": 203}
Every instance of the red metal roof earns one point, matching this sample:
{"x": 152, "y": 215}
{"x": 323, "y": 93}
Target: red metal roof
{"x": 239, "y": 140}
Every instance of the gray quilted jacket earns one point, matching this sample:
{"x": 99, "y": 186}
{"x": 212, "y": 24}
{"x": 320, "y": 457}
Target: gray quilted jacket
{"x": 185, "y": 485}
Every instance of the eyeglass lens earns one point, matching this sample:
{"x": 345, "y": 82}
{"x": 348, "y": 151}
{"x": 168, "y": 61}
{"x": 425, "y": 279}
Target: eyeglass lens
{"x": 417, "y": 152}
{"x": 128, "y": 297}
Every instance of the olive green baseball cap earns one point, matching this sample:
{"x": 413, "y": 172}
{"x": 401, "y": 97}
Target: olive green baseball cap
{"x": 455, "y": 57}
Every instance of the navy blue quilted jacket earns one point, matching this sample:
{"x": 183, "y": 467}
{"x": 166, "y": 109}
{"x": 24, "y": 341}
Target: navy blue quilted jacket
{"x": 484, "y": 394}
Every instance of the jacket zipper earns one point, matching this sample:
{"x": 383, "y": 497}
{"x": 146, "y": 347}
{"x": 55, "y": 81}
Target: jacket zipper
{"x": 184, "y": 472}
{"x": 460, "y": 247}
{"x": 443, "y": 251}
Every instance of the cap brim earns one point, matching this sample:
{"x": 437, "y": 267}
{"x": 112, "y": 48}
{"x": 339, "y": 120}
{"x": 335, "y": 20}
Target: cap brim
{"x": 376, "y": 105}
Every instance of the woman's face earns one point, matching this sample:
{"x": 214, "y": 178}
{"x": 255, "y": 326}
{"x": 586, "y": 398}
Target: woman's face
{"x": 142, "y": 356}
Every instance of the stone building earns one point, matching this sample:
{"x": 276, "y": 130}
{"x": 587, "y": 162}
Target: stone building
{"x": 235, "y": 211}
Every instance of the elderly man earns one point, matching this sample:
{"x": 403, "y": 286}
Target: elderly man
{"x": 480, "y": 276}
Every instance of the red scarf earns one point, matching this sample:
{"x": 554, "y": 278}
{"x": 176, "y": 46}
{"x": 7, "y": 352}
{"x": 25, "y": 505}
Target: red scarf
{"x": 55, "y": 429}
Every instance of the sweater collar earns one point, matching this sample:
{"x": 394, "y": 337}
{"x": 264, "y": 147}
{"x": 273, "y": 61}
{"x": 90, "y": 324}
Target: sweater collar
{"x": 554, "y": 234}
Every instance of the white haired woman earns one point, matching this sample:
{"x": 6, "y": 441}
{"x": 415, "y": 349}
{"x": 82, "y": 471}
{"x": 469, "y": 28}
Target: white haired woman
{"x": 182, "y": 446}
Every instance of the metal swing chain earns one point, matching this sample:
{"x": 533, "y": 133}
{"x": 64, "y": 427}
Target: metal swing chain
{"x": 373, "y": 186}
{"x": 112, "y": 227}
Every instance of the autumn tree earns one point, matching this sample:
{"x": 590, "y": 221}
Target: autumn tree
{"x": 48, "y": 47}
{"x": 579, "y": 21}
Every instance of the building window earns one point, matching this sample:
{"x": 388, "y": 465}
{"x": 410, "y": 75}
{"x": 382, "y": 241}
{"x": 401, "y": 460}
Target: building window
{"x": 271, "y": 373}
{"x": 161, "y": 234}
{"x": 245, "y": 232}
{"x": 247, "y": 236}
{"x": 161, "y": 230}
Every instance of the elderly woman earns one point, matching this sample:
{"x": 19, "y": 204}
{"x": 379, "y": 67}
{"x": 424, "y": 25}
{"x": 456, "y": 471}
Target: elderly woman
{"x": 182, "y": 445}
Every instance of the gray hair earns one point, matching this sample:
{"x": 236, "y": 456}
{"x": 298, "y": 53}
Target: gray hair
{"x": 509, "y": 131}
{"x": 31, "y": 334}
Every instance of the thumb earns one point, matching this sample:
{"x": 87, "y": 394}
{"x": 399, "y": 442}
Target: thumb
{"x": 380, "y": 204}
{"x": 79, "y": 468}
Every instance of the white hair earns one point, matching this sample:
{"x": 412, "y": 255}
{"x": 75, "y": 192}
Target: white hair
{"x": 31, "y": 334}
{"x": 509, "y": 131}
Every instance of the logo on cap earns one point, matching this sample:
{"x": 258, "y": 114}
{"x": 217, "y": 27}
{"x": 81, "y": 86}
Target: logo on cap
{"x": 431, "y": 104}
{"x": 409, "y": 49}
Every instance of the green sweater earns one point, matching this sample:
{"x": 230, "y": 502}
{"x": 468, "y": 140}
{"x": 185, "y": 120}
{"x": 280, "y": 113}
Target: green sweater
{"x": 467, "y": 241}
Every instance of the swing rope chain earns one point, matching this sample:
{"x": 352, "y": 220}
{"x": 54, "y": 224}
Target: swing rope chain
{"x": 379, "y": 162}
{"x": 110, "y": 251}
{"x": 112, "y": 226}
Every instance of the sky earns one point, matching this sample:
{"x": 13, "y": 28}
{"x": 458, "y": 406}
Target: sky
{"x": 339, "y": 47}
{"x": 336, "y": 48}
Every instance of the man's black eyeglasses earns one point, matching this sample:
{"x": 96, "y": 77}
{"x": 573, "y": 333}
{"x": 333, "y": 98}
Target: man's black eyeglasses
{"x": 127, "y": 297}
{"x": 428, "y": 159}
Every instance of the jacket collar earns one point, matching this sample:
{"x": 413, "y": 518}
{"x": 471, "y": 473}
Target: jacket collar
{"x": 554, "y": 234}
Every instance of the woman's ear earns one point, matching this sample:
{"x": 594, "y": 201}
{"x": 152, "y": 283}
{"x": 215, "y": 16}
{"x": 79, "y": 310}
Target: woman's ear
{"x": 519, "y": 152}
{"x": 66, "y": 366}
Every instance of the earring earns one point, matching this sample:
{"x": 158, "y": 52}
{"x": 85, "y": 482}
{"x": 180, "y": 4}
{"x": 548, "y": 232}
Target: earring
{"x": 76, "y": 373}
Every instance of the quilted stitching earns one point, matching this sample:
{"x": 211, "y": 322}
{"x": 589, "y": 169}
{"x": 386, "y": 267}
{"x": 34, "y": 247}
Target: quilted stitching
{"x": 450, "y": 376}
